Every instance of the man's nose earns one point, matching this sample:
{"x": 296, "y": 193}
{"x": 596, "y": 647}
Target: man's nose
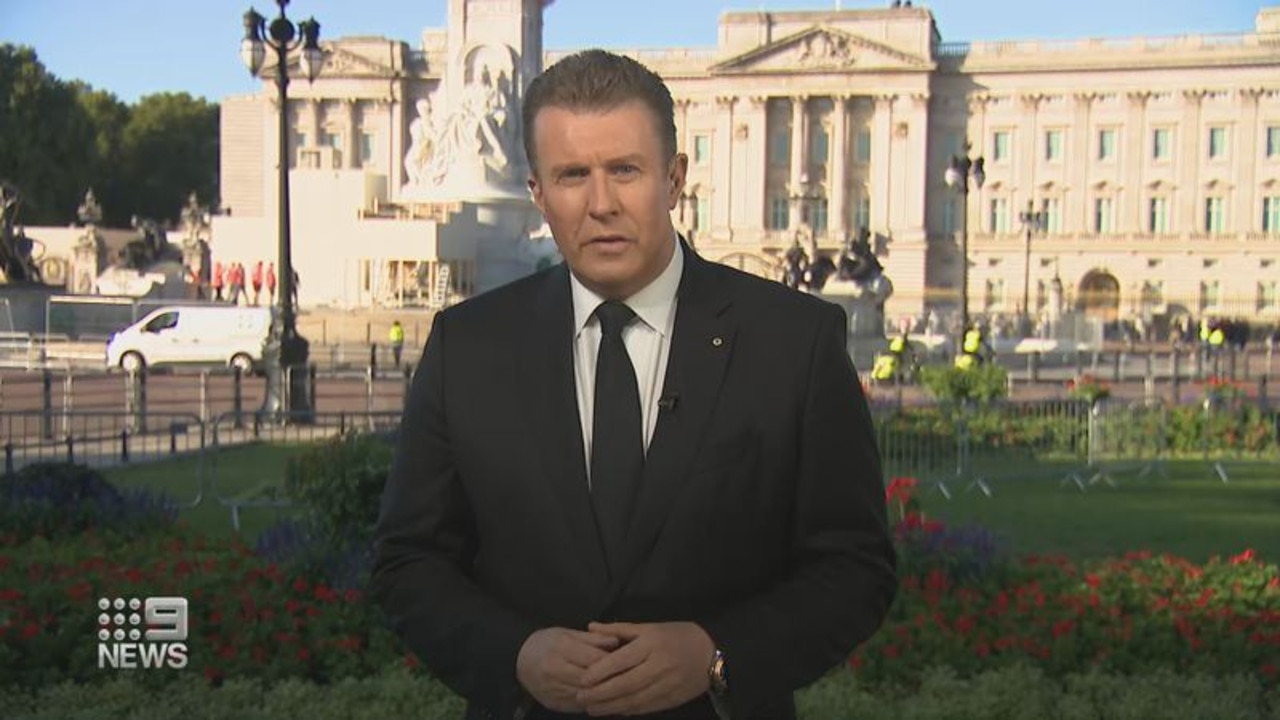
{"x": 602, "y": 199}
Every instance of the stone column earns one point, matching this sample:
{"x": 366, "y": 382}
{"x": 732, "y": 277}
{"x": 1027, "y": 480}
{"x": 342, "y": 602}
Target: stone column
{"x": 1032, "y": 152}
{"x": 837, "y": 188}
{"x": 316, "y": 109}
{"x": 1244, "y": 208}
{"x": 1187, "y": 158}
{"x": 1134, "y": 156}
{"x": 755, "y": 174}
{"x": 1079, "y": 199}
{"x": 352, "y": 143}
{"x": 881, "y": 159}
{"x": 911, "y": 224}
{"x": 722, "y": 168}
{"x": 796, "y": 183}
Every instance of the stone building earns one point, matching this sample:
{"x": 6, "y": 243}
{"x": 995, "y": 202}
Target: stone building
{"x": 1155, "y": 162}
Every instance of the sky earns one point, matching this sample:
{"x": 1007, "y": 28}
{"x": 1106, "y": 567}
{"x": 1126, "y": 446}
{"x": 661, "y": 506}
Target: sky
{"x": 135, "y": 47}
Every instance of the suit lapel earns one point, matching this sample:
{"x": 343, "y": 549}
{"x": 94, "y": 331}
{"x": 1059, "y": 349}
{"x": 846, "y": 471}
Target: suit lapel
{"x": 552, "y": 415}
{"x": 701, "y": 344}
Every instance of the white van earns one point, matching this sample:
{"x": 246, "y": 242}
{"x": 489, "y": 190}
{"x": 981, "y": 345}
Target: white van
{"x": 178, "y": 335}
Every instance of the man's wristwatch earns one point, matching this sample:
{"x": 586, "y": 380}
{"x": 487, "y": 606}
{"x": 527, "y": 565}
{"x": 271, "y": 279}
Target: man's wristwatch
{"x": 719, "y": 675}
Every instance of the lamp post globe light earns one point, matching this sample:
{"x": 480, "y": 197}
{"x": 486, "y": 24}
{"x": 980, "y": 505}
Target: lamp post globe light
{"x": 957, "y": 176}
{"x": 1033, "y": 222}
{"x": 287, "y": 394}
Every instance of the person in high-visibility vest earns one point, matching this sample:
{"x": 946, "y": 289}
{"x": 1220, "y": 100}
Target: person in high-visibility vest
{"x": 971, "y": 348}
{"x": 396, "y": 337}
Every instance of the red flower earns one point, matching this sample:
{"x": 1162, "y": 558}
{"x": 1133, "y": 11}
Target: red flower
{"x": 1063, "y": 627}
{"x": 324, "y": 594}
{"x": 411, "y": 660}
{"x": 1244, "y": 557}
{"x": 982, "y": 650}
{"x": 291, "y": 606}
{"x": 1269, "y": 670}
{"x": 855, "y": 662}
{"x": 300, "y": 585}
{"x": 303, "y": 654}
{"x": 1092, "y": 580}
{"x": 352, "y": 595}
{"x": 29, "y": 631}
{"x": 10, "y": 595}
{"x": 227, "y": 652}
{"x": 891, "y": 652}
{"x": 965, "y": 624}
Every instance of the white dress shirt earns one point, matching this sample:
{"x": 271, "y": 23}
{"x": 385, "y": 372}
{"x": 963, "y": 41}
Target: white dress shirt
{"x": 648, "y": 341}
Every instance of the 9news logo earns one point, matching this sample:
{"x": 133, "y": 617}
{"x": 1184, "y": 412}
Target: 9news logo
{"x": 148, "y": 633}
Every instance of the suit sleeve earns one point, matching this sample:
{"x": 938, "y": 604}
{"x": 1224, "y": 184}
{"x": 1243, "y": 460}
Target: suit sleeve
{"x": 842, "y": 578}
{"x": 424, "y": 544}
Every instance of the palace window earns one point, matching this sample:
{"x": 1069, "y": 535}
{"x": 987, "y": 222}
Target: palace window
{"x": 1210, "y": 294}
{"x": 1161, "y": 144}
{"x": 818, "y": 215}
{"x": 950, "y": 215}
{"x": 819, "y": 143}
{"x": 780, "y": 147}
{"x": 701, "y": 149}
{"x": 1106, "y": 144}
{"x": 702, "y": 215}
{"x": 1271, "y": 214}
{"x": 366, "y": 149}
{"x": 1217, "y": 143}
{"x": 1104, "y": 221}
{"x": 993, "y": 298}
{"x": 1268, "y": 299}
{"x": 1158, "y": 215}
{"x": 862, "y": 212}
{"x": 999, "y": 216}
{"x": 1273, "y": 141}
{"x": 1215, "y": 215}
{"x": 862, "y": 147}
{"x": 1053, "y": 145}
{"x": 1000, "y": 149}
{"x": 779, "y": 213}
{"x": 1052, "y": 209}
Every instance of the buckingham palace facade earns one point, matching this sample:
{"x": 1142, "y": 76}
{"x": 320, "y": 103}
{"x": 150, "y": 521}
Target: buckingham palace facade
{"x": 1152, "y": 165}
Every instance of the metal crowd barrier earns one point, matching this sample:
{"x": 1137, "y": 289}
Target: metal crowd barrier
{"x": 1122, "y": 436}
{"x": 101, "y": 439}
{"x": 954, "y": 445}
{"x": 1237, "y": 433}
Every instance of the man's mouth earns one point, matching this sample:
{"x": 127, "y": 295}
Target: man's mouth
{"x": 607, "y": 240}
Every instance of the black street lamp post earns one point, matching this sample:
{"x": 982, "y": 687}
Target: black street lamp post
{"x": 1033, "y": 222}
{"x": 286, "y": 351}
{"x": 957, "y": 177}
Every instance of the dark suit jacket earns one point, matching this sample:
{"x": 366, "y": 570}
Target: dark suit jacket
{"x": 761, "y": 514}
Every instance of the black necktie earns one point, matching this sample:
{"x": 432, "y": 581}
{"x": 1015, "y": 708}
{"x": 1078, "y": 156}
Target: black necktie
{"x": 617, "y": 446}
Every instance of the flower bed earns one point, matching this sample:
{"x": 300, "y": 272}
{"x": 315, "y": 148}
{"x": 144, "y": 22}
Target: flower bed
{"x": 966, "y": 602}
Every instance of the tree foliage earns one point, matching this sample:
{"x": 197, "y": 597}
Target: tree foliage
{"x": 59, "y": 138}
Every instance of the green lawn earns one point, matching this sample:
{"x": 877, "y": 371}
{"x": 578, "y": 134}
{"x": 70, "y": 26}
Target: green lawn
{"x": 228, "y": 473}
{"x": 1191, "y": 513}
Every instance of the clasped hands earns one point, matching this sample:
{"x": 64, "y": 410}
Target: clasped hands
{"x": 616, "y": 668}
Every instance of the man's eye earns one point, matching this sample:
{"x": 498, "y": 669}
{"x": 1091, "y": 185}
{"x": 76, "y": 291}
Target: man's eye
{"x": 573, "y": 174}
{"x": 626, "y": 169}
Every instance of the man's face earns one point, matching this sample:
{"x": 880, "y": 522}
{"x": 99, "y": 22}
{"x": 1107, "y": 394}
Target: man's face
{"x": 607, "y": 188}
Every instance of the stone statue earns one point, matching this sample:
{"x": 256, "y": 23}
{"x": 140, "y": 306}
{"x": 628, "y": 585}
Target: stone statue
{"x": 857, "y": 262}
{"x": 861, "y": 288}
{"x": 420, "y": 143}
{"x": 821, "y": 266}
{"x": 795, "y": 265}
{"x": 473, "y": 141}
{"x": 15, "y": 247}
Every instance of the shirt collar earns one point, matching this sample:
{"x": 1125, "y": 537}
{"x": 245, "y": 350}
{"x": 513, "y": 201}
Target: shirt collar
{"x": 654, "y": 304}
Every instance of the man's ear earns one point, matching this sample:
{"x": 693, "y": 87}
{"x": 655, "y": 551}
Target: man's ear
{"x": 679, "y": 171}
{"x": 535, "y": 191}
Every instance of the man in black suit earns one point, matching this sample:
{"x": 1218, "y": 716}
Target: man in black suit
{"x": 637, "y": 483}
